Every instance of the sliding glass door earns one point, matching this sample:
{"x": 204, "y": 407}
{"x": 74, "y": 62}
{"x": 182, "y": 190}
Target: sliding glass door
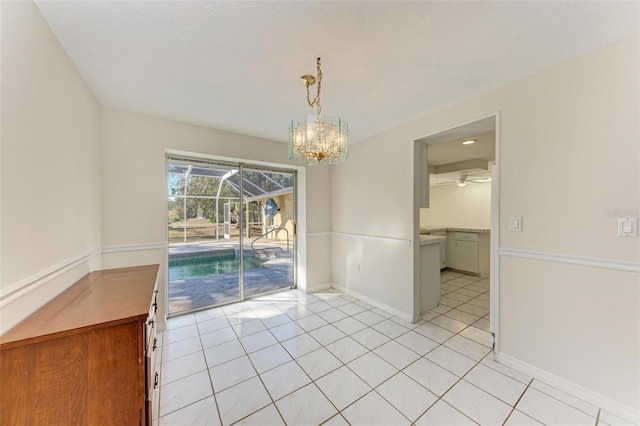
{"x": 231, "y": 232}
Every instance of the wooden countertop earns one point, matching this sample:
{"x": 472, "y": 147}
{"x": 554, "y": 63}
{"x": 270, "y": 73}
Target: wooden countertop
{"x": 100, "y": 297}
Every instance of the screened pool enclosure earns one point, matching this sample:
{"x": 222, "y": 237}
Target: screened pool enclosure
{"x": 231, "y": 232}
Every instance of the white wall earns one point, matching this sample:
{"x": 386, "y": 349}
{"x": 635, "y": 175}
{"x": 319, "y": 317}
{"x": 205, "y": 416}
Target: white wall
{"x": 50, "y": 185}
{"x": 134, "y": 188}
{"x": 458, "y": 207}
{"x": 569, "y": 154}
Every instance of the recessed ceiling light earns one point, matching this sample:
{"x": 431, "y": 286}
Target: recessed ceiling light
{"x": 469, "y": 142}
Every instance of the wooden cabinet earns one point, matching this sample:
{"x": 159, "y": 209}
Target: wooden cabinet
{"x": 87, "y": 357}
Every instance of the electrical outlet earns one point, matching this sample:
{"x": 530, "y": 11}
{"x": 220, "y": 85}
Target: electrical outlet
{"x": 357, "y": 267}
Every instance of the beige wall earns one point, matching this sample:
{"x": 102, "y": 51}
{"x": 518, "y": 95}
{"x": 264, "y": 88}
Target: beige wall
{"x": 576, "y": 322}
{"x": 569, "y": 154}
{"x": 134, "y": 187}
{"x": 458, "y": 207}
{"x": 50, "y": 185}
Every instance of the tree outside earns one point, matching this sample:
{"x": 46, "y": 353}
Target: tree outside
{"x": 201, "y": 208}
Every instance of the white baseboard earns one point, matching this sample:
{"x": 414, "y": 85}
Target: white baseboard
{"x": 393, "y": 311}
{"x": 601, "y": 401}
{"x": 318, "y": 287}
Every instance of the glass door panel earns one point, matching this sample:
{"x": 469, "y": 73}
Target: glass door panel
{"x": 269, "y": 236}
{"x": 204, "y": 235}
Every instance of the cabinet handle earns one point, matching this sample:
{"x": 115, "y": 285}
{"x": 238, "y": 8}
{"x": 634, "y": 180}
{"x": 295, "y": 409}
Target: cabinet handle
{"x": 155, "y": 306}
{"x": 155, "y": 381}
{"x": 155, "y": 340}
{"x": 150, "y": 323}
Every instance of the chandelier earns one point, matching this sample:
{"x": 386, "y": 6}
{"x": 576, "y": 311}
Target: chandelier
{"x": 318, "y": 139}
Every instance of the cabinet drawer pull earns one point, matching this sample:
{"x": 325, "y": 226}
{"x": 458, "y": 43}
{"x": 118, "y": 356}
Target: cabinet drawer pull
{"x": 155, "y": 306}
{"x": 155, "y": 381}
{"x": 155, "y": 340}
{"x": 150, "y": 323}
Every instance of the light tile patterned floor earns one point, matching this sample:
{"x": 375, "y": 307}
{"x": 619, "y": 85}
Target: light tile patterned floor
{"x": 297, "y": 359}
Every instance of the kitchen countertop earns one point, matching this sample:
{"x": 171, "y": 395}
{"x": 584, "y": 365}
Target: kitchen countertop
{"x": 431, "y": 239}
{"x": 447, "y": 229}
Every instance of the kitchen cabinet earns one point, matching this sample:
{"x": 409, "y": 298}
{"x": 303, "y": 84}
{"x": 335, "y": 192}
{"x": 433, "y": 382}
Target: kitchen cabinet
{"x": 467, "y": 252}
{"x": 463, "y": 251}
{"x": 422, "y": 174}
{"x": 451, "y": 250}
{"x": 87, "y": 357}
{"x": 429, "y": 271}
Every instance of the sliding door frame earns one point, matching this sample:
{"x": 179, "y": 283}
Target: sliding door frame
{"x": 240, "y": 165}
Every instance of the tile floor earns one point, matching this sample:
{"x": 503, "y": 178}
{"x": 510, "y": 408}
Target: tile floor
{"x": 327, "y": 358}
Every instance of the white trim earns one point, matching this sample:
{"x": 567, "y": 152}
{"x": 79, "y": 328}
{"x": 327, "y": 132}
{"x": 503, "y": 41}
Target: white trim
{"x": 26, "y": 285}
{"x": 455, "y": 126}
{"x": 134, "y": 247}
{"x": 595, "y": 398}
{"x": 494, "y": 243}
{"x": 318, "y": 234}
{"x": 393, "y": 311}
{"x": 372, "y": 237}
{"x": 618, "y": 265}
{"x": 187, "y": 155}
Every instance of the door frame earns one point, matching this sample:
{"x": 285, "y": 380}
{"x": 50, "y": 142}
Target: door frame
{"x": 299, "y": 211}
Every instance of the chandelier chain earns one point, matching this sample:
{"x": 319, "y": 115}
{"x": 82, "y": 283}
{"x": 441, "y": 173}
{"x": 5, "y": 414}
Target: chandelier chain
{"x": 316, "y": 100}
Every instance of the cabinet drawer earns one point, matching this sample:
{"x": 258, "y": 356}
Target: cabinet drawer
{"x": 466, "y": 236}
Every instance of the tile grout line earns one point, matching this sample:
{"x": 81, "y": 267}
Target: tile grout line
{"x": 367, "y": 325}
{"x": 213, "y": 390}
{"x": 513, "y": 408}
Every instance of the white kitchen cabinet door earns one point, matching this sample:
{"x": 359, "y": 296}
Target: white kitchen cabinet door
{"x": 467, "y": 256}
{"x": 451, "y": 250}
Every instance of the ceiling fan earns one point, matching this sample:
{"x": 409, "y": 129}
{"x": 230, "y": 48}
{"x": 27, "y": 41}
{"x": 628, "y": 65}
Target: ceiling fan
{"x": 461, "y": 179}
{"x": 464, "y": 179}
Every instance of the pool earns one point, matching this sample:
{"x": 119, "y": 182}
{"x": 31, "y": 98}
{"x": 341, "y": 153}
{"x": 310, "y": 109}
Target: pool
{"x": 203, "y": 265}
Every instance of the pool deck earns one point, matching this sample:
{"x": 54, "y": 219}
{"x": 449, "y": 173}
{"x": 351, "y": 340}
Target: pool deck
{"x": 276, "y": 273}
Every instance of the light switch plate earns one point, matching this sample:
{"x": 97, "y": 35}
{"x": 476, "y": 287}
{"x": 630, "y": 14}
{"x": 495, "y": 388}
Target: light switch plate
{"x": 628, "y": 227}
{"x": 515, "y": 224}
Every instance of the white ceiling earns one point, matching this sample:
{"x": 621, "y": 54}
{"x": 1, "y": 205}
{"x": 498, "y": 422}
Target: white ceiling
{"x": 454, "y": 151}
{"x": 236, "y": 65}
{"x": 446, "y": 147}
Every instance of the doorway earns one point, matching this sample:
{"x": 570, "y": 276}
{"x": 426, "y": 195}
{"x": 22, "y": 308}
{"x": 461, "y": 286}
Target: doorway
{"x": 460, "y": 200}
{"x": 231, "y": 230}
